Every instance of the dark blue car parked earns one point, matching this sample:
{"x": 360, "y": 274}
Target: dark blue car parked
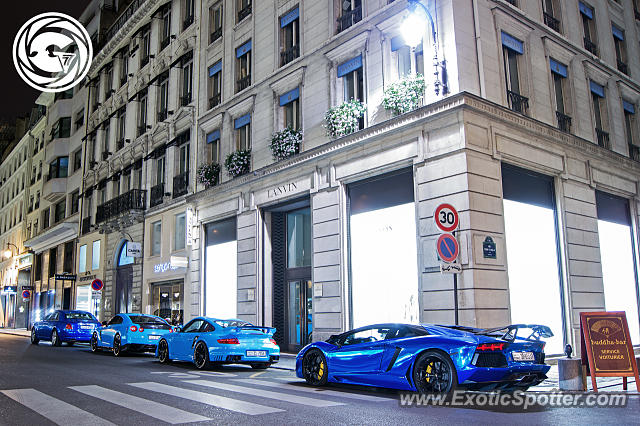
{"x": 65, "y": 326}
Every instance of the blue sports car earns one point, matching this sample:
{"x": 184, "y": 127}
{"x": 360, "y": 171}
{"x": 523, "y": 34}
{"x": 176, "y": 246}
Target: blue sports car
{"x": 64, "y": 326}
{"x": 130, "y": 332}
{"x": 429, "y": 358}
{"x": 205, "y": 341}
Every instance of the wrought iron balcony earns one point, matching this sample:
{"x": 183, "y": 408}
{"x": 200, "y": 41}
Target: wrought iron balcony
{"x": 603, "y": 138}
{"x": 187, "y": 22}
{"x": 157, "y": 195}
{"x": 564, "y": 122}
{"x": 289, "y": 55}
{"x": 214, "y": 101}
{"x": 162, "y": 115}
{"x": 517, "y": 102}
{"x": 132, "y": 200}
{"x": 551, "y": 22}
{"x": 243, "y": 83}
{"x": 622, "y": 67}
{"x": 215, "y": 35}
{"x": 86, "y": 225}
{"x": 243, "y": 13}
{"x": 185, "y": 99}
{"x": 165, "y": 42}
{"x": 590, "y": 46}
{"x": 349, "y": 18}
{"x": 180, "y": 184}
{"x": 634, "y": 152}
{"x": 120, "y": 22}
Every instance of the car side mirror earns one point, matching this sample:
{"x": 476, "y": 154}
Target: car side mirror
{"x": 103, "y": 323}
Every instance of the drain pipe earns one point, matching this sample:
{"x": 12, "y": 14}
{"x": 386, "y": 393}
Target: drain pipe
{"x": 480, "y": 62}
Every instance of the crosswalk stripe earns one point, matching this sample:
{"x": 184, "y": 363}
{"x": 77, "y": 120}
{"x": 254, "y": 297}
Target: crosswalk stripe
{"x": 59, "y": 412}
{"x": 150, "y": 408}
{"x": 303, "y": 400}
{"x": 207, "y": 398}
{"x": 321, "y": 392}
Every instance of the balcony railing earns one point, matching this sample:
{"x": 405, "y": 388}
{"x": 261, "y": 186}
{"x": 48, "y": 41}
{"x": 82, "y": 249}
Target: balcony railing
{"x": 157, "y": 195}
{"x": 564, "y": 122}
{"x": 603, "y": 138}
{"x": 120, "y": 22}
{"x": 180, "y": 184}
{"x": 289, "y": 55}
{"x": 243, "y": 13}
{"x": 86, "y": 225}
{"x": 132, "y": 200}
{"x": 349, "y": 18}
{"x": 186, "y": 99}
{"x": 634, "y": 152}
{"x": 187, "y": 22}
{"x": 215, "y": 35}
{"x": 622, "y": 67}
{"x": 517, "y": 102}
{"x": 214, "y": 101}
{"x": 243, "y": 83}
{"x": 551, "y": 22}
{"x": 590, "y": 46}
{"x": 162, "y": 115}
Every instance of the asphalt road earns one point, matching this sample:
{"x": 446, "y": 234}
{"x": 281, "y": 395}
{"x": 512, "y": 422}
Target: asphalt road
{"x": 43, "y": 385}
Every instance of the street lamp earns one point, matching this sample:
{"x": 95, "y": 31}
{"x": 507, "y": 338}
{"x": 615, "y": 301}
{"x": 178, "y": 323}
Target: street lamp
{"x": 413, "y": 31}
{"x": 8, "y": 253}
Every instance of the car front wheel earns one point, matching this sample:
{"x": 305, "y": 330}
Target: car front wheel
{"x": 34, "y": 339}
{"x": 201, "y": 356}
{"x": 94, "y": 343}
{"x": 434, "y": 372}
{"x": 314, "y": 368}
{"x": 163, "y": 352}
{"x": 55, "y": 339}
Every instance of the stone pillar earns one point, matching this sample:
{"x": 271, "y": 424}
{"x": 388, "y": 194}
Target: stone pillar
{"x": 247, "y": 267}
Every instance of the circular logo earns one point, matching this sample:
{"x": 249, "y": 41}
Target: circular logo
{"x": 52, "y": 52}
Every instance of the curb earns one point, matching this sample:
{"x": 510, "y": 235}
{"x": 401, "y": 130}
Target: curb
{"x": 14, "y": 334}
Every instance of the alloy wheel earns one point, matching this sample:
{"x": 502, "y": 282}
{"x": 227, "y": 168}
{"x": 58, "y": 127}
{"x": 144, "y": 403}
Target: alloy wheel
{"x": 200, "y": 356}
{"x": 94, "y": 343}
{"x": 163, "y": 351}
{"x": 55, "y": 339}
{"x": 116, "y": 345}
{"x": 434, "y": 374}
{"x": 314, "y": 368}
{"x": 34, "y": 339}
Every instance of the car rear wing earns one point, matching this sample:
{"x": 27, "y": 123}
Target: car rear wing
{"x": 248, "y": 329}
{"x": 509, "y": 333}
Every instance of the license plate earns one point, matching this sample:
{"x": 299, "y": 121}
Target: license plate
{"x": 86, "y": 327}
{"x": 152, "y": 337}
{"x": 523, "y": 356}
{"x": 256, "y": 353}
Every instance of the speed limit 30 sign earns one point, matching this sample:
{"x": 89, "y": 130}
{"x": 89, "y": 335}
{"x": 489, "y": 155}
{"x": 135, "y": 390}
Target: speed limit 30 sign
{"x": 446, "y": 217}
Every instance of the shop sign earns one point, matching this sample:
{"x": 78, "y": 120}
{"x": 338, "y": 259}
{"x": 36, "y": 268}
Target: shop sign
{"x": 282, "y": 190}
{"x": 489, "y": 248}
{"x": 164, "y": 267}
{"x": 134, "y": 249}
{"x": 66, "y": 277}
{"x": 87, "y": 278}
{"x": 25, "y": 260}
{"x": 607, "y": 350}
{"x": 190, "y": 223}
{"x": 179, "y": 261}
{"x": 28, "y": 287}
{"x": 10, "y": 289}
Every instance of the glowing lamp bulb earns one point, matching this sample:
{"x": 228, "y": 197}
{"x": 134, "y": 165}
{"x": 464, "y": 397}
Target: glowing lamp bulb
{"x": 413, "y": 28}
{"x": 7, "y": 253}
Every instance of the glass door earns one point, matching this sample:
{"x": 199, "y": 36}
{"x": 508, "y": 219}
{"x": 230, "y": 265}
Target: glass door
{"x": 300, "y": 308}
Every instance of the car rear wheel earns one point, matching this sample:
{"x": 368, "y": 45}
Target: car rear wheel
{"x": 55, "y": 339}
{"x": 163, "y": 352}
{"x": 117, "y": 348}
{"x": 261, "y": 365}
{"x": 314, "y": 368}
{"x": 34, "y": 339}
{"x": 201, "y": 356}
{"x": 94, "y": 343}
{"x": 434, "y": 372}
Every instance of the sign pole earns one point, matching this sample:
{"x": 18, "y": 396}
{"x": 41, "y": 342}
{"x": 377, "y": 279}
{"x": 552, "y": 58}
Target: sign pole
{"x": 455, "y": 295}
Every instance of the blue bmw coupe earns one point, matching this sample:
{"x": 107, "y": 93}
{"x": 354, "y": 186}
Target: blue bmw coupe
{"x": 130, "y": 332}
{"x": 429, "y": 358}
{"x": 64, "y": 326}
{"x": 205, "y": 341}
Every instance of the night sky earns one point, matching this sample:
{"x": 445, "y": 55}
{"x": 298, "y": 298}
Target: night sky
{"x": 18, "y": 97}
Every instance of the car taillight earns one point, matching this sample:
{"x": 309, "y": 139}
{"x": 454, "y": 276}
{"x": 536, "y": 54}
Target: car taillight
{"x": 232, "y": 341}
{"x": 491, "y": 347}
{"x": 68, "y": 327}
{"x": 171, "y": 330}
{"x": 273, "y": 341}
{"x": 141, "y": 329}
{"x": 133, "y": 328}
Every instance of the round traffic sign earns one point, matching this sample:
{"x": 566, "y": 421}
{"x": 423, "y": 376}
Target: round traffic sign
{"x": 26, "y": 294}
{"x": 448, "y": 248}
{"x": 446, "y": 217}
{"x": 97, "y": 284}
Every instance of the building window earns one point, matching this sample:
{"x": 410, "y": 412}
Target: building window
{"x": 156, "y": 238}
{"x": 406, "y": 62}
{"x": 67, "y": 94}
{"x": 38, "y": 264}
{"x": 551, "y": 14}
{"x": 163, "y": 96}
{"x": 58, "y": 168}
{"x": 221, "y": 269}
{"x": 290, "y": 36}
{"x": 242, "y": 127}
{"x": 145, "y": 48}
{"x": 352, "y": 76}
{"x": 68, "y": 257}
{"x": 160, "y": 166}
{"x": 124, "y": 66}
{"x": 350, "y": 13}
{"x": 187, "y": 13}
{"x": 559, "y": 75}
{"x": 61, "y": 128}
{"x": 215, "y": 84}
{"x": 187, "y": 79}
{"x": 183, "y": 158}
{"x": 243, "y": 66}
{"x": 75, "y": 202}
{"x": 213, "y": 146}
{"x": 95, "y": 255}
{"x": 215, "y": 22}
{"x": 79, "y": 121}
{"x": 142, "y": 113}
{"x": 630, "y": 129}
{"x": 82, "y": 261}
{"x": 122, "y": 123}
{"x": 600, "y": 117}
{"x": 180, "y": 231}
{"x": 165, "y": 26}
{"x": 77, "y": 160}
{"x": 588, "y": 28}
{"x": 59, "y": 211}
{"x": 290, "y": 104}
{"x": 512, "y": 48}
{"x": 621, "y": 49}
{"x": 53, "y": 261}
{"x": 106, "y": 136}
{"x": 244, "y": 9}
{"x": 116, "y": 186}
{"x": 108, "y": 81}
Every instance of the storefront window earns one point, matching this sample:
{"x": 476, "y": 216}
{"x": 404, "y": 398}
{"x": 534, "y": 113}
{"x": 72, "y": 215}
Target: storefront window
{"x": 168, "y": 301}
{"x": 221, "y": 269}
{"x": 383, "y": 250}
{"x": 299, "y": 238}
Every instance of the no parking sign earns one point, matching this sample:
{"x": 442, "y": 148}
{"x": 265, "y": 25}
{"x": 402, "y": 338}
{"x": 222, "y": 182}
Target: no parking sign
{"x": 97, "y": 284}
{"x": 26, "y": 294}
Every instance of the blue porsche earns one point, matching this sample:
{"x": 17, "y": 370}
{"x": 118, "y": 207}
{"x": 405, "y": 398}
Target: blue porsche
{"x": 64, "y": 326}
{"x": 429, "y": 358}
{"x": 210, "y": 341}
{"x": 130, "y": 332}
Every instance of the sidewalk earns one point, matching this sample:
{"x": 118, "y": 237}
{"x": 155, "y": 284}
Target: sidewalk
{"x": 287, "y": 362}
{"x": 605, "y": 384}
{"x": 16, "y": 331}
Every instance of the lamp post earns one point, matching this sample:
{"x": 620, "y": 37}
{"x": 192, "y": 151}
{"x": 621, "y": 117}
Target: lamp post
{"x": 413, "y": 32}
{"x": 8, "y": 253}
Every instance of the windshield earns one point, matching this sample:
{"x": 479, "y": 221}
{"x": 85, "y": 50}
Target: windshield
{"x": 86, "y": 316}
{"x": 233, "y": 323}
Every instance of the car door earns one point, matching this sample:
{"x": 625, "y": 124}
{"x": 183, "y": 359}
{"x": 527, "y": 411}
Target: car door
{"x": 359, "y": 352}
{"x": 41, "y": 330}
{"x": 51, "y": 324}
{"x": 185, "y": 340}
{"x": 109, "y": 331}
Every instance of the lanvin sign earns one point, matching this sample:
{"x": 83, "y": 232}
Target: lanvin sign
{"x": 282, "y": 190}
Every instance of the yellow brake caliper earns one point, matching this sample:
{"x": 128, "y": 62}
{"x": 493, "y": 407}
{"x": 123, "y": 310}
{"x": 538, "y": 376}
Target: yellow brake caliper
{"x": 321, "y": 371}
{"x": 428, "y": 372}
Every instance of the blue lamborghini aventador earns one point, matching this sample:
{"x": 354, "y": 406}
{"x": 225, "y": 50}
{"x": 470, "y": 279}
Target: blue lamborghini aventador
{"x": 429, "y": 358}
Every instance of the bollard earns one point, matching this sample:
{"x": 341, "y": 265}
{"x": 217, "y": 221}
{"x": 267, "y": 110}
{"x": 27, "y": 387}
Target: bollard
{"x": 570, "y": 374}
